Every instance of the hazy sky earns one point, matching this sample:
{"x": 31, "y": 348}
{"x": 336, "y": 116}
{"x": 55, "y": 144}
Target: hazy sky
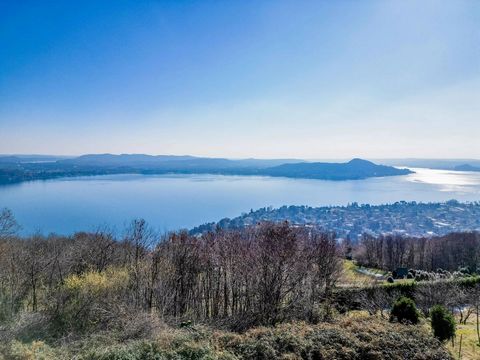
{"x": 307, "y": 79}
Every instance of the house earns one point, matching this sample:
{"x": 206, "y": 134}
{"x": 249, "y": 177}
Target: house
{"x": 400, "y": 273}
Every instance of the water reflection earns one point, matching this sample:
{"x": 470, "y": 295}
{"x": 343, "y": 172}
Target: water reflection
{"x": 447, "y": 180}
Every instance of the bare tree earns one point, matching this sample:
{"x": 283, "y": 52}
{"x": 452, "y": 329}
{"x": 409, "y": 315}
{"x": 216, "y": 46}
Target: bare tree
{"x": 8, "y": 224}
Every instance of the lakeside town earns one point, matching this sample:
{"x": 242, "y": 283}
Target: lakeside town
{"x": 405, "y": 218}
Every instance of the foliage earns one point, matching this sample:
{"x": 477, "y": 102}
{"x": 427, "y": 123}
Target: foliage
{"x": 89, "y": 300}
{"x": 406, "y": 289}
{"x": 96, "y": 282}
{"x": 67, "y": 290}
{"x": 348, "y": 338}
{"x": 405, "y": 311}
{"x": 36, "y": 350}
{"x": 443, "y": 323}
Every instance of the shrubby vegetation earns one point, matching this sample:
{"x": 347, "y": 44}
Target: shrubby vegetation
{"x": 404, "y": 310}
{"x": 443, "y": 323}
{"x": 347, "y": 338}
{"x": 163, "y": 296}
{"x": 236, "y": 279}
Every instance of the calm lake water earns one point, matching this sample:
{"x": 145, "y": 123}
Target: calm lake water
{"x": 171, "y": 202}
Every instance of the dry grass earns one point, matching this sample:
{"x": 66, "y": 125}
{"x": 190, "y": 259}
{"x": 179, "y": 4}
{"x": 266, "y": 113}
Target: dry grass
{"x": 351, "y": 277}
{"x": 470, "y": 348}
{"x": 354, "y": 336}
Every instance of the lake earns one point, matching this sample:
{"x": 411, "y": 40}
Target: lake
{"x": 170, "y": 202}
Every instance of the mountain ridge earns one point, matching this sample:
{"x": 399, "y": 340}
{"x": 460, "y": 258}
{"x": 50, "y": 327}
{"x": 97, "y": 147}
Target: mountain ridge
{"x": 13, "y": 170}
{"x": 467, "y": 167}
{"x": 355, "y": 169}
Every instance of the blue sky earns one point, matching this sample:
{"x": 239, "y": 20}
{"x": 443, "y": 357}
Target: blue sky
{"x": 307, "y": 79}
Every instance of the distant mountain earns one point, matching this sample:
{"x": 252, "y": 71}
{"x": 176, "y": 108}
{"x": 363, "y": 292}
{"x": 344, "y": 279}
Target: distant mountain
{"x": 355, "y": 169}
{"x": 9, "y": 159}
{"x": 440, "y": 164}
{"x": 170, "y": 162}
{"x": 467, "y": 167}
{"x": 15, "y": 169}
{"x": 124, "y": 159}
{"x": 29, "y": 158}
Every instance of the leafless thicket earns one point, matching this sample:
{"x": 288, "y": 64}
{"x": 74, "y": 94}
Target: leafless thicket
{"x": 259, "y": 275}
{"x": 447, "y": 252}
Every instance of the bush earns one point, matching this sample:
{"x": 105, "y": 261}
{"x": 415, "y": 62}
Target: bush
{"x": 405, "y": 289}
{"x": 443, "y": 323}
{"x": 348, "y": 338}
{"x": 89, "y": 302}
{"x": 37, "y": 350}
{"x": 405, "y": 311}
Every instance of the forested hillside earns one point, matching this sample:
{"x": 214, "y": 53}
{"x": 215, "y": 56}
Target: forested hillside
{"x": 15, "y": 169}
{"x": 182, "y": 296}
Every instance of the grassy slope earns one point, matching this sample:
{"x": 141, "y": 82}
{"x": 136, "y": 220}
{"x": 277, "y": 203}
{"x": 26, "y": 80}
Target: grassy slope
{"x": 351, "y": 277}
{"x": 470, "y": 348}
